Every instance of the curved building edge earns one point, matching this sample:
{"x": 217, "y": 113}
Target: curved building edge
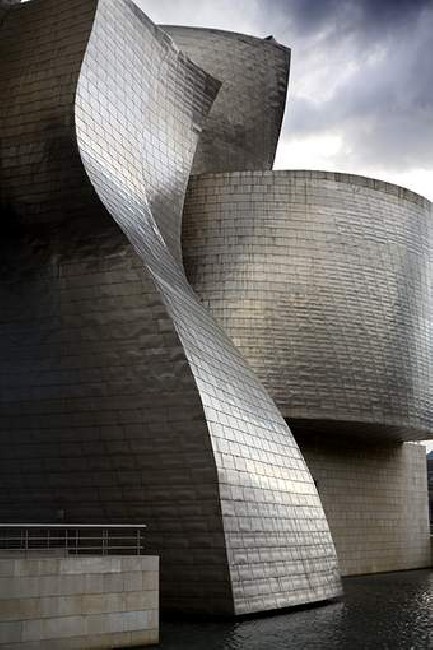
{"x": 96, "y": 389}
{"x": 229, "y": 392}
{"x": 358, "y": 180}
{"x": 243, "y": 126}
{"x": 227, "y": 33}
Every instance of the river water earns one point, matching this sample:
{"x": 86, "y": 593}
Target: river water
{"x": 392, "y": 611}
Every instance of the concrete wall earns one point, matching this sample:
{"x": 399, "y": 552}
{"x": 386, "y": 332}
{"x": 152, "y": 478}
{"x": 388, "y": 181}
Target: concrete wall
{"x": 79, "y": 602}
{"x": 375, "y": 498}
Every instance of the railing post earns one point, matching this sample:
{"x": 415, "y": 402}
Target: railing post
{"x": 26, "y": 539}
{"x": 138, "y": 541}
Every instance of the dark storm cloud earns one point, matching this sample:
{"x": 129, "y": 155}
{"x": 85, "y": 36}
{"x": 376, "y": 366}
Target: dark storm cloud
{"x": 383, "y": 108}
{"x": 357, "y": 15}
{"x": 361, "y": 70}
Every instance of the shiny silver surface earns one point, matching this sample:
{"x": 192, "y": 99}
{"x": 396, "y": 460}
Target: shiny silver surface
{"x": 324, "y": 283}
{"x": 242, "y": 129}
{"x": 121, "y": 398}
{"x": 242, "y": 421}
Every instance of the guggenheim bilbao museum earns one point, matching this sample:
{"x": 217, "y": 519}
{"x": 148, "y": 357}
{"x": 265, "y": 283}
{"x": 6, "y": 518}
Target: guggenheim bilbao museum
{"x": 239, "y": 358}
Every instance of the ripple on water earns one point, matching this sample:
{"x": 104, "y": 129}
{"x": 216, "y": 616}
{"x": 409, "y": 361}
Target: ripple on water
{"x": 390, "y": 611}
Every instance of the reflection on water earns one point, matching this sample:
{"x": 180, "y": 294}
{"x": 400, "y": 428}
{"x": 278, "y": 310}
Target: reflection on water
{"x": 388, "y": 611}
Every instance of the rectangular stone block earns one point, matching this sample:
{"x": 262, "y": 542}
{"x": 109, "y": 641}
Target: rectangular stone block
{"x": 88, "y": 602}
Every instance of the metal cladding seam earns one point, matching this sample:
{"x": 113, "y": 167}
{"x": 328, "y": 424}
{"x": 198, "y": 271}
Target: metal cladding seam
{"x": 274, "y": 523}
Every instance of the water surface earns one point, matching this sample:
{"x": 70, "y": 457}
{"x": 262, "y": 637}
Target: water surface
{"x": 392, "y": 611}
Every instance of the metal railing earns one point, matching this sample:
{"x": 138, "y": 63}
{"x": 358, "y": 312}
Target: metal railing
{"x": 72, "y": 539}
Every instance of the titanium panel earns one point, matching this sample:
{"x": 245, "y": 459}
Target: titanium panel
{"x": 122, "y": 399}
{"x": 100, "y": 417}
{"x": 244, "y": 123}
{"x": 262, "y": 477}
{"x": 324, "y": 283}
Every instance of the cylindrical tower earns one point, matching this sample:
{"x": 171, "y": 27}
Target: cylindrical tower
{"x": 323, "y": 281}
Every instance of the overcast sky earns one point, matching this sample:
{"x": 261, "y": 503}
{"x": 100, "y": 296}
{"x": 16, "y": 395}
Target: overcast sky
{"x": 361, "y": 87}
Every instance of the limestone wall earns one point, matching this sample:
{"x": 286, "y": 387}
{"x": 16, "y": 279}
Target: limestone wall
{"x": 79, "y": 602}
{"x": 375, "y": 498}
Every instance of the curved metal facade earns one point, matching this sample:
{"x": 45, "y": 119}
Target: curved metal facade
{"x": 323, "y": 282}
{"x": 244, "y": 123}
{"x": 123, "y": 399}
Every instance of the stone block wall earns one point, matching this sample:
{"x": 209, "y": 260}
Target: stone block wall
{"x": 374, "y": 497}
{"x": 73, "y": 602}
